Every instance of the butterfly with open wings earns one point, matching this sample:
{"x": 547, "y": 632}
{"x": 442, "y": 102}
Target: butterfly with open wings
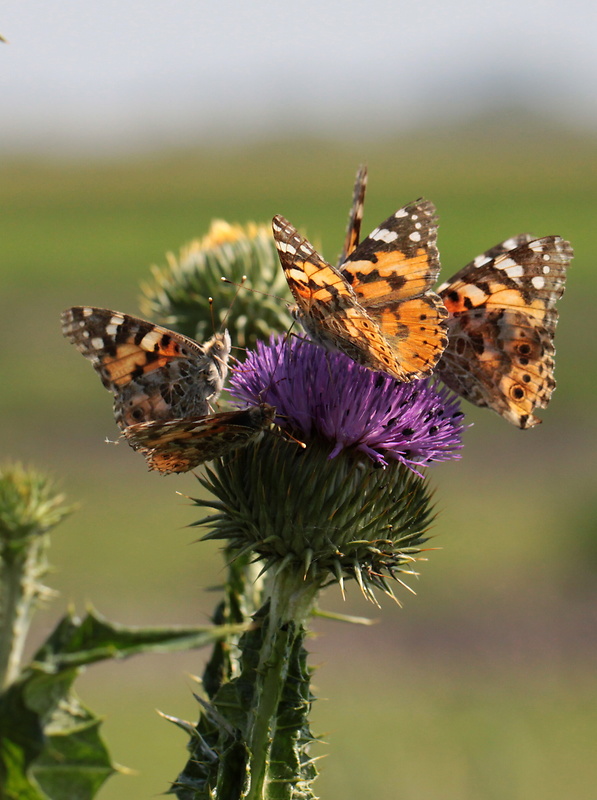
{"x": 377, "y": 306}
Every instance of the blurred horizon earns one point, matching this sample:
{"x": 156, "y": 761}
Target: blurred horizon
{"x": 106, "y": 77}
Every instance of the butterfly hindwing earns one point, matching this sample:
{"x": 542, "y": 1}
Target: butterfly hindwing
{"x": 501, "y": 326}
{"x": 183, "y": 444}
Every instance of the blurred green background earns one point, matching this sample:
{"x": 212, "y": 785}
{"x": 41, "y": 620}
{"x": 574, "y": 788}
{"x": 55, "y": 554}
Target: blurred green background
{"x": 484, "y": 685}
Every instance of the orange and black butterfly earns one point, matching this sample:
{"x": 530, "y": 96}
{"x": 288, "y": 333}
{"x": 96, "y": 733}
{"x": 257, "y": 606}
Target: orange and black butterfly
{"x": 163, "y": 384}
{"x": 501, "y": 321}
{"x": 377, "y": 306}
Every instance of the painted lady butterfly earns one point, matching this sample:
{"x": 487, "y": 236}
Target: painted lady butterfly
{"x": 152, "y": 372}
{"x": 501, "y": 320}
{"x": 501, "y": 326}
{"x": 376, "y": 306}
{"x": 162, "y": 384}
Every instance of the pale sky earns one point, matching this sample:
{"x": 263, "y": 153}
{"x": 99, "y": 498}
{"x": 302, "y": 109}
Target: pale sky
{"x": 120, "y": 74}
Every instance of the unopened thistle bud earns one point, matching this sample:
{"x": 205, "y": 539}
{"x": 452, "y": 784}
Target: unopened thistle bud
{"x": 178, "y": 295}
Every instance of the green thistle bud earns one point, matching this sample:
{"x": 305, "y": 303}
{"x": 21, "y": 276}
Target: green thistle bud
{"x": 298, "y": 510}
{"x": 178, "y": 295}
{"x": 29, "y": 508}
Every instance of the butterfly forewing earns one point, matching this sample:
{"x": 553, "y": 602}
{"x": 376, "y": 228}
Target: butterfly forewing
{"x": 399, "y": 259}
{"x": 152, "y": 372}
{"x": 314, "y": 283}
{"x": 489, "y": 255}
{"x": 353, "y": 230}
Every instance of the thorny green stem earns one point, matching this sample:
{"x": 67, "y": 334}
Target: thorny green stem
{"x": 19, "y": 592}
{"x": 291, "y": 602}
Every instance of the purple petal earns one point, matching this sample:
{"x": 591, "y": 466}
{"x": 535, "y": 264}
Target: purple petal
{"x": 320, "y": 394}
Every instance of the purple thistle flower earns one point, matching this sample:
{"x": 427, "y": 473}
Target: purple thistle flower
{"x": 321, "y": 394}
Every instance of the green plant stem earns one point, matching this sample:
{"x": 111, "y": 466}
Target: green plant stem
{"x": 19, "y": 592}
{"x": 291, "y": 602}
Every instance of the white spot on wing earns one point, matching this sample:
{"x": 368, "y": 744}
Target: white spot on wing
{"x": 512, "y": 268}
{"x": 415, "y": 236}
{"x": 383, "y": 235}
{"x": 476, "y": 295}
{"x": 538, "y": 281}
{"x": 150, "y": 339}
{"x": 480, "y": 260}
{"x": 402, "y": 212}
{"x": 286, "y": 247}
{"x": 97, "y": 343}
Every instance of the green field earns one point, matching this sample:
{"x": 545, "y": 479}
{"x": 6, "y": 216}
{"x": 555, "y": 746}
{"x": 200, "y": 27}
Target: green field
{"x": 484, "y": 686}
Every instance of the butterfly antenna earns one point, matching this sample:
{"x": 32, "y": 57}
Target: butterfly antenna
{"x": 210, "y": 300}
{"x": 239, "y": 286}
{"x": 282, "y": 433}
{"x": 255, "y": 291}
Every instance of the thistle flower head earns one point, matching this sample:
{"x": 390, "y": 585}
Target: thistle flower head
{"x": 178, "y": 294}
{"x": 326, "y": 395}
{"x": 328, "y": 510}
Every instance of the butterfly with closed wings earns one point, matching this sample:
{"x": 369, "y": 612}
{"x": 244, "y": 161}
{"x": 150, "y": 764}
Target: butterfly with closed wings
{"x": 163, "y": 384}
